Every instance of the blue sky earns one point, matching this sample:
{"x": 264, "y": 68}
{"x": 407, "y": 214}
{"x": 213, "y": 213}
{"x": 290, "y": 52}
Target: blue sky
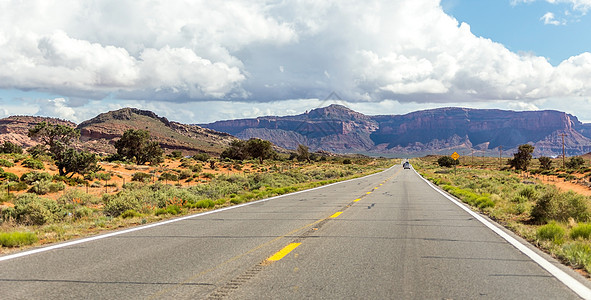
{"x": 202, "y": 61}
{"x": 520, "y": 26}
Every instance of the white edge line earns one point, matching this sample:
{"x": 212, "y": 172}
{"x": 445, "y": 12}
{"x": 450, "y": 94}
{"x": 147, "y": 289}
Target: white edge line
{"x": 111, "y": 234}
{"x": 577, "y": 287}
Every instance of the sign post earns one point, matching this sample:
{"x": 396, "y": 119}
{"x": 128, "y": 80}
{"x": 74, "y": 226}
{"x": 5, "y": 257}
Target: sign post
{"x": 455, "y": 157}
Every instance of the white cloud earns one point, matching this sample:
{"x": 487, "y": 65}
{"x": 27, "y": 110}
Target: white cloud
{"x": 550, "y": 19}
{"x": 256, "y": 51}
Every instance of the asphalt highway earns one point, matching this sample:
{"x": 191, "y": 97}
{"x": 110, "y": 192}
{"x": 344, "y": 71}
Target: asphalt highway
{"x": 386, "y": 236}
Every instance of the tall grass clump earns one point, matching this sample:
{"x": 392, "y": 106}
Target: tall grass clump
{"x": 578, "y": 255}
{"x": 558, "y": 206}
{"x": 16, "y": 239}
{"x": 582, "y": 230}
{"x": 551, "y": 232}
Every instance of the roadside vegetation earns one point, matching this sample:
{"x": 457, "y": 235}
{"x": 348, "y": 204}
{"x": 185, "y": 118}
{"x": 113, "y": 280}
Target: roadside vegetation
{"x": 512, "y": 192}
{"x": 47, "y": 197}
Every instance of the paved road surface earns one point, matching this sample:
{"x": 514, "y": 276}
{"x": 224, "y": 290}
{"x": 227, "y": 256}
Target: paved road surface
{"x": 395, "y": 238}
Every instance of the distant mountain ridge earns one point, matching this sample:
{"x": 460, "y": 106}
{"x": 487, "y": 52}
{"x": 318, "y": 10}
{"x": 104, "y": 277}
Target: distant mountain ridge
{"x": 99, "y": 133}
{"x": 336, "y": 128}
{"x": 339, "y": 129}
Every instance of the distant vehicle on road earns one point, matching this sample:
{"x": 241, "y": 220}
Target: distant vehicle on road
{"x": 406, "y": 165}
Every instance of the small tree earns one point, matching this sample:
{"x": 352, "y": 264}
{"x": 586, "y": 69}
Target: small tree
{"x": 57, "y": 140}
{"x": 545, "y": 162}
{"x": 136, "y": 145}
{"x": 9, "y": 147}
{"x": 236, "y": 150}
{"x": 303, "y": 153}
{"x": 575, "y": 162}
{"x": 522, "y": 158}
{"x": 447, "y": 162}
{"x": 260, "y": 149}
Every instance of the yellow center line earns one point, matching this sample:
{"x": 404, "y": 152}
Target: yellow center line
{"x": 336, "y": 214}
{"x": 357, "y": 200}
{"x": 368, "y": 193}
{"x": 283, "y": 252}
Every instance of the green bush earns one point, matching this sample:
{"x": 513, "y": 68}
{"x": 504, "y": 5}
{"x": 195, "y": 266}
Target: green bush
{"x": 45, "y": 187}
{"x": 551, "y": 232}
{"x": 142, "y": 177}
{"x": 31, "y": 177}
{"x": 205, "y": 203}
{"x": 6, "y": 163}
{"x": 30, "y": 209}
{"x": 529, "y": 193}
{"x": 83, "y": 212}
{"x": 9, "y": 176}
{"x": 558, "y": 206}
{"x": 130, "y": 213}
{"x": 168, "y": 177}
{"x": 201, "y": 157}
{"x": 78, "y": 197}
{"x": 117, "y": 204}
{"x": 16, "y": 239}
{"x": 447, "y": 162}
{"x": 171, "y": 210}
{"x": 32, "y": 163}
{"x": 17, "y": 186}
{"x": 185, "y": 174}
{"x": 582, "y": 230}
{"x": 347, "y": 161}
{"x": 578, "y": 255}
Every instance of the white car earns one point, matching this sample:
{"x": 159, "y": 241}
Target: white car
{"x": 406, "y": 165}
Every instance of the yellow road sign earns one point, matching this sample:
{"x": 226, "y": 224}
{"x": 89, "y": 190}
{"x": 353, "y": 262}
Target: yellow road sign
{"x": 455, "y": 156}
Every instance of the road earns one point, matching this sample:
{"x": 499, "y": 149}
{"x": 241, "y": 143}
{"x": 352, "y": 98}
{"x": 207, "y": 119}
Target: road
{"x": 385, "y": 236}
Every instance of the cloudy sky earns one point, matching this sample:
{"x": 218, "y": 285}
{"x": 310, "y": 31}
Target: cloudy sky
{"x": 201, "y": 61}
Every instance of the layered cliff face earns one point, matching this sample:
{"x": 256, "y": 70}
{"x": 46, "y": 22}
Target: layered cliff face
{"x": 339, "y": 129}
{"x": 333, "y": 128}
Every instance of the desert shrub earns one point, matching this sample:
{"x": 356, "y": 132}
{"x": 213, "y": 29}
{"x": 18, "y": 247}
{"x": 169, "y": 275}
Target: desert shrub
{"x": 17, "y": 186}
{"x": 45, "y": 187}
{"x": 6, "y": 163}
{"x": 208, "y": 175}
{"x": 201, "y": 157}
{"x": 172, "y": 210}
{"x": 83, "y": 212}
{"x": 551, "y": 232}
{"x": 529, "y": 193}
{"x": 185, "y": 174}
{"x": 117, "y": 204}
{"x": 31, "y": 177}
{"x": 130, "y": 213}
{"x": 142, "y": 177}
{"x": 347, "y": 161}
{"x": 197, "y": 168}
{"x": 16, "y": 239}
{"x": 176, "y": 154}
{"x": 30, "y": 209}
{"x": 582, "y": 230}
{"x": 77, "y": 197}
{"x": 9, "y": 176}
{"x": 557, "y": 206}
{"x": 168, "y": 177}
{"x": 578, "y": 255}
{"x": 32, "y": 163}
{"x": 575, "y": 162}
{"x": 9, "y": 147}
